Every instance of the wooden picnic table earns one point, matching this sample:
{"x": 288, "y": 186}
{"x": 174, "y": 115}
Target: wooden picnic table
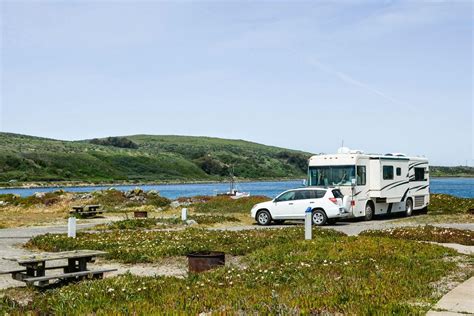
{"x": 34, "y": 267}
{"x": 87, "y": 210}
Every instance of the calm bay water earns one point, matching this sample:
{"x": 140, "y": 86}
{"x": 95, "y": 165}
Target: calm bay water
{"x": 462, "y": 187}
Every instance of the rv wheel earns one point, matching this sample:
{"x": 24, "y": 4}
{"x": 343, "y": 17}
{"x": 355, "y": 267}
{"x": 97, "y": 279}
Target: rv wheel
{"x": 409, "y": 208}
{"x": 369, "y": 212}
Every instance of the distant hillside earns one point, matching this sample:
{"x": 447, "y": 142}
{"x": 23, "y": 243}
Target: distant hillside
{"x": 153, "y": 158}
{"x": 460, "y": 171}
{"x": 143, "y": 158}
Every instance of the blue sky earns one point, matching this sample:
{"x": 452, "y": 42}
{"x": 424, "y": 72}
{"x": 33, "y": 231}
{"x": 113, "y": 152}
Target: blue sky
{"x": 384, "y": 76}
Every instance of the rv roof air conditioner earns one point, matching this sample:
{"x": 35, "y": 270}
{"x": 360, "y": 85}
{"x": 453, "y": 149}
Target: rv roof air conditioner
{"x": 396, "y": 154}
{"x": 346, "y": 150}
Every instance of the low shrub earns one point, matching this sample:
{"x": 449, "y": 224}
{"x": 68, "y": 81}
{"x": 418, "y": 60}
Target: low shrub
{"x": 109, "y": 198}
{"x": 112, "y": 199}
{"x": 448, "y": 204}
{"x": 47, "y": 199}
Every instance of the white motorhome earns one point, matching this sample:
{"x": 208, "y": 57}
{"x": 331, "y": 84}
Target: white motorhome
{"x": 376, "y": 184}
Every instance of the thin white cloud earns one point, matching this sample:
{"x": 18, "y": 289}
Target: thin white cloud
{"x": 350, "y": 80}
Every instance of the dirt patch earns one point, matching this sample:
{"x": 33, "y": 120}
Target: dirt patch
{"x": 173, "y": 266}
{"x": 21, "y": 296}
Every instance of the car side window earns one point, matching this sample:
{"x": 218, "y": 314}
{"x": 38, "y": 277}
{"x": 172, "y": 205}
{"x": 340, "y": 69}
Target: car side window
{"x": 302, "y": 195}
{"x": 317, "y": 194}
{"x": 288, "y": 196}
{"x": 320, "y": 194}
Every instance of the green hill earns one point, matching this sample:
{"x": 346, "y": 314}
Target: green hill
{"x": 153, "y": 158}
{"x": 143, "y": 158}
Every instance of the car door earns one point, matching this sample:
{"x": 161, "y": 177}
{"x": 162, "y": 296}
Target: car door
{"x": 282, "y": 205}
{"x": 300, "y": 203}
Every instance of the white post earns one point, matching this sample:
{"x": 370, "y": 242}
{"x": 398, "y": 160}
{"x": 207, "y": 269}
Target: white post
{"x": 308, "y": 224}
{"x": 71, "y": 227}
{"x": 184, "y": 214}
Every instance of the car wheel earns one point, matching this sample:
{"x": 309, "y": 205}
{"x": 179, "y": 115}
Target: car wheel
{"x": 279, "y": 221}
{"x": 369, "y": 212}
{"x": 264, "y": 218}
{"x": 409, "y": 208}
{"x": 319, "y": 218}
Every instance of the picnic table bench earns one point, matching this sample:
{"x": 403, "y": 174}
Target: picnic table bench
{"x": 86, "y": 211}
{"x": 34, "y": 267}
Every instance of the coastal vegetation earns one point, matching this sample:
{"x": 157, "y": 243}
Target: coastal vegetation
{"x": 426, "y": 233}
{"x": 280, "y": 274}
{"x": 458, "y": 171}
{"x": 50, "y": 207}
{"x": 274, "y": 271}
{"x": 161, "y": 222}
{"x": 449, "y": 204}
{"x": 149, "y": 246}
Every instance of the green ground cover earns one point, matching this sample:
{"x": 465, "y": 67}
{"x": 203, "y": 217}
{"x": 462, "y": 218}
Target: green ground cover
{"x": 149, "y": 246}
{"x": 226, "y": 205}
{"x": 150, "y": 223}
{"x": 331, "y": 274}
{"x": 449, "y": 204}
{"x": 426, "y": 233}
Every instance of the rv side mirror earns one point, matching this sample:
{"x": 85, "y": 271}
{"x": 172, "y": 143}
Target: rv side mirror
{"x": 353, "y": 182}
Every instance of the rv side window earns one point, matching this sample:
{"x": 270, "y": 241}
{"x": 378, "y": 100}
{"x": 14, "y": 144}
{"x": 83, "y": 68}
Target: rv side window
{"x": 361, "y": 176}
{"x": 399, "y": 171}
{"x": 419, "y": 174}
{"x": 388, "y": 172}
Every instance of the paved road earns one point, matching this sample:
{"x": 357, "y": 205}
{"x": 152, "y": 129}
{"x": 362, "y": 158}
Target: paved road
{"x": 459, "y": 301}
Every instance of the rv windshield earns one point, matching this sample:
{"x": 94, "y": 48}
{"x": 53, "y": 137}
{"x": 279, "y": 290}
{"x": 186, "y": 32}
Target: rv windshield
{"x": 331, "y": 175}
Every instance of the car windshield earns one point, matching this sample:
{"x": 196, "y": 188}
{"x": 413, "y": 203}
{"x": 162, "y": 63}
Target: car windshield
{"x": 331, "y": 175}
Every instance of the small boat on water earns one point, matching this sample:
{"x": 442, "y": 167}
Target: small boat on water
{"x": 233, "y": 192}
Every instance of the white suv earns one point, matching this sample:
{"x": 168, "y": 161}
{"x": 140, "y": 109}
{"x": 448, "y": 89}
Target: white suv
{"x": 326, "y": 204}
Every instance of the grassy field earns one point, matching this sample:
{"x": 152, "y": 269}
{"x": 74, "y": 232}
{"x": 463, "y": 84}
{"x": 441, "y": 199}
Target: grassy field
{"x": 150, "y": 158}
{"x": 149, "y": 246}
{"x": 281, "y": 275}
{"x": 278, "y": 273}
